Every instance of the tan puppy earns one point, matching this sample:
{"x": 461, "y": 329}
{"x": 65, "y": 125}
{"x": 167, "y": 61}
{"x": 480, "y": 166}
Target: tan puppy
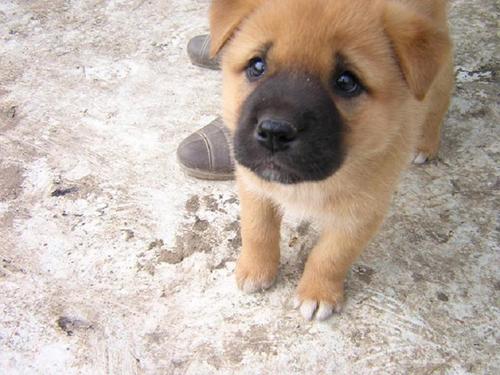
{"x": 327, "y": 101}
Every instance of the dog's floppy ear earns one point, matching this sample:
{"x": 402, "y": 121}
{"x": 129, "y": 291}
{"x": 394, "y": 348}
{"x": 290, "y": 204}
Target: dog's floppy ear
{"x": 225, "y": 16}
{"x": 421, "y": 47}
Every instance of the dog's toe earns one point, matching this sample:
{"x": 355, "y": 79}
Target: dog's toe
{"x": 325, "y": 310}
{"x": 420, "y": 158}
{"x": 249, "y": 285}
{"x": 320, "y": 310}
{"x": 307, "y": 308}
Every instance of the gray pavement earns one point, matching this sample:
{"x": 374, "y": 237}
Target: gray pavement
{"x": 115, "y": 262}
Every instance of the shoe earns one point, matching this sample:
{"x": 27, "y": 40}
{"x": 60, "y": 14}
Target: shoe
{"x": 198, "y": 49}
{"x": 206, "y": 153}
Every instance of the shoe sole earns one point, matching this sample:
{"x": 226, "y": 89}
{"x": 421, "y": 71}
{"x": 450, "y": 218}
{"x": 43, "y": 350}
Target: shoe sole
{"x": 205, "y": 175}
{"x": 211, "y": 67}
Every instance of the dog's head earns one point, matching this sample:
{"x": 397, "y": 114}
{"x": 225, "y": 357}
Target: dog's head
{"x": 312, "y": 84}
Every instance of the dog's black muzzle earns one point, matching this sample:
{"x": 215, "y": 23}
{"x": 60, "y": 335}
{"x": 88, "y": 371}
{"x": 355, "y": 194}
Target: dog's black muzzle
{"x": 289, "y": 130}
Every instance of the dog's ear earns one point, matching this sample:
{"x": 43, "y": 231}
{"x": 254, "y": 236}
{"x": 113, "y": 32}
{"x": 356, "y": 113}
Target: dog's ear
{"x": 421, "y": 47}
{"x": 225, "y": 16}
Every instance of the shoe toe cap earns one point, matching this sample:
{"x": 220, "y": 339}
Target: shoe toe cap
{"x": 193, "y": 153}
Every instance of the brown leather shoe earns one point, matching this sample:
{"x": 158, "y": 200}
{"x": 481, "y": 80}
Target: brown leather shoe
{"x": 206, "y": 153}
{"x": 198, "y": 49}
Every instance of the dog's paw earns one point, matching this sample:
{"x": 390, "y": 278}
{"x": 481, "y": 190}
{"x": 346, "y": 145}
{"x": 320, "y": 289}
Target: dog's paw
{"x": 319, "y": 304}
{"x": 252, "y": 277}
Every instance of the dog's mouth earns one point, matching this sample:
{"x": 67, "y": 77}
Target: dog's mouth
{"x": 273, "y": 171}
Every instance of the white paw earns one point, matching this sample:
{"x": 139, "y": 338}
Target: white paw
{"x": 420, "y": 158}
{"x": 310, "y": 309}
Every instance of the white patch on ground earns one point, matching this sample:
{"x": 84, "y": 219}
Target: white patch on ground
{"x": 77, "y": 172}
{"x": 465, "y": 76}
{"x": 100, "y": 226}
{"x": 38, "y": 178}
{"x": 4, "y": 206}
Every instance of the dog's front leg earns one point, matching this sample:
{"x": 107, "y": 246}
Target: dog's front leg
{"x": 260, "y": 233}
{"x": 321, "y": 288}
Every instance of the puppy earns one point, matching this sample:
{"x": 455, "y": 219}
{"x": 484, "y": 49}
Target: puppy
{"x": 327, "y": 102}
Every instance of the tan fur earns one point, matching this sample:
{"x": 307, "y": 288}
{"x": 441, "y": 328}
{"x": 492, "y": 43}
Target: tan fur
{"x": 401, "y": 51}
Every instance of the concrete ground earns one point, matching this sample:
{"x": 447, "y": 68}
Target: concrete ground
{"x": 114, "y": 262}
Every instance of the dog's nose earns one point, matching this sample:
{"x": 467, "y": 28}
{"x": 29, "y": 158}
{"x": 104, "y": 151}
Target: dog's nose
{"x": 275, "y": 135}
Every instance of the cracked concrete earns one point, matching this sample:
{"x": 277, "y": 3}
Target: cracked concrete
{"x": 113, "y": 261}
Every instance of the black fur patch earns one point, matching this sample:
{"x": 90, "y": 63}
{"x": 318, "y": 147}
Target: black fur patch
{"x": 301, "y": 100}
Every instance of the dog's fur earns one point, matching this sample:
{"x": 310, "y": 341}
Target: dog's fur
{"x": 348, "y": 159}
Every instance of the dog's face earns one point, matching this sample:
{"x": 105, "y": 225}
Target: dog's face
{"x": 312, "y": 85}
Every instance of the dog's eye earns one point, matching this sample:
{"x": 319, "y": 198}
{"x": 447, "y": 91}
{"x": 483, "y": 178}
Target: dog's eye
{"x": 346, "y": 84}
{"x": 255, "y": 68}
